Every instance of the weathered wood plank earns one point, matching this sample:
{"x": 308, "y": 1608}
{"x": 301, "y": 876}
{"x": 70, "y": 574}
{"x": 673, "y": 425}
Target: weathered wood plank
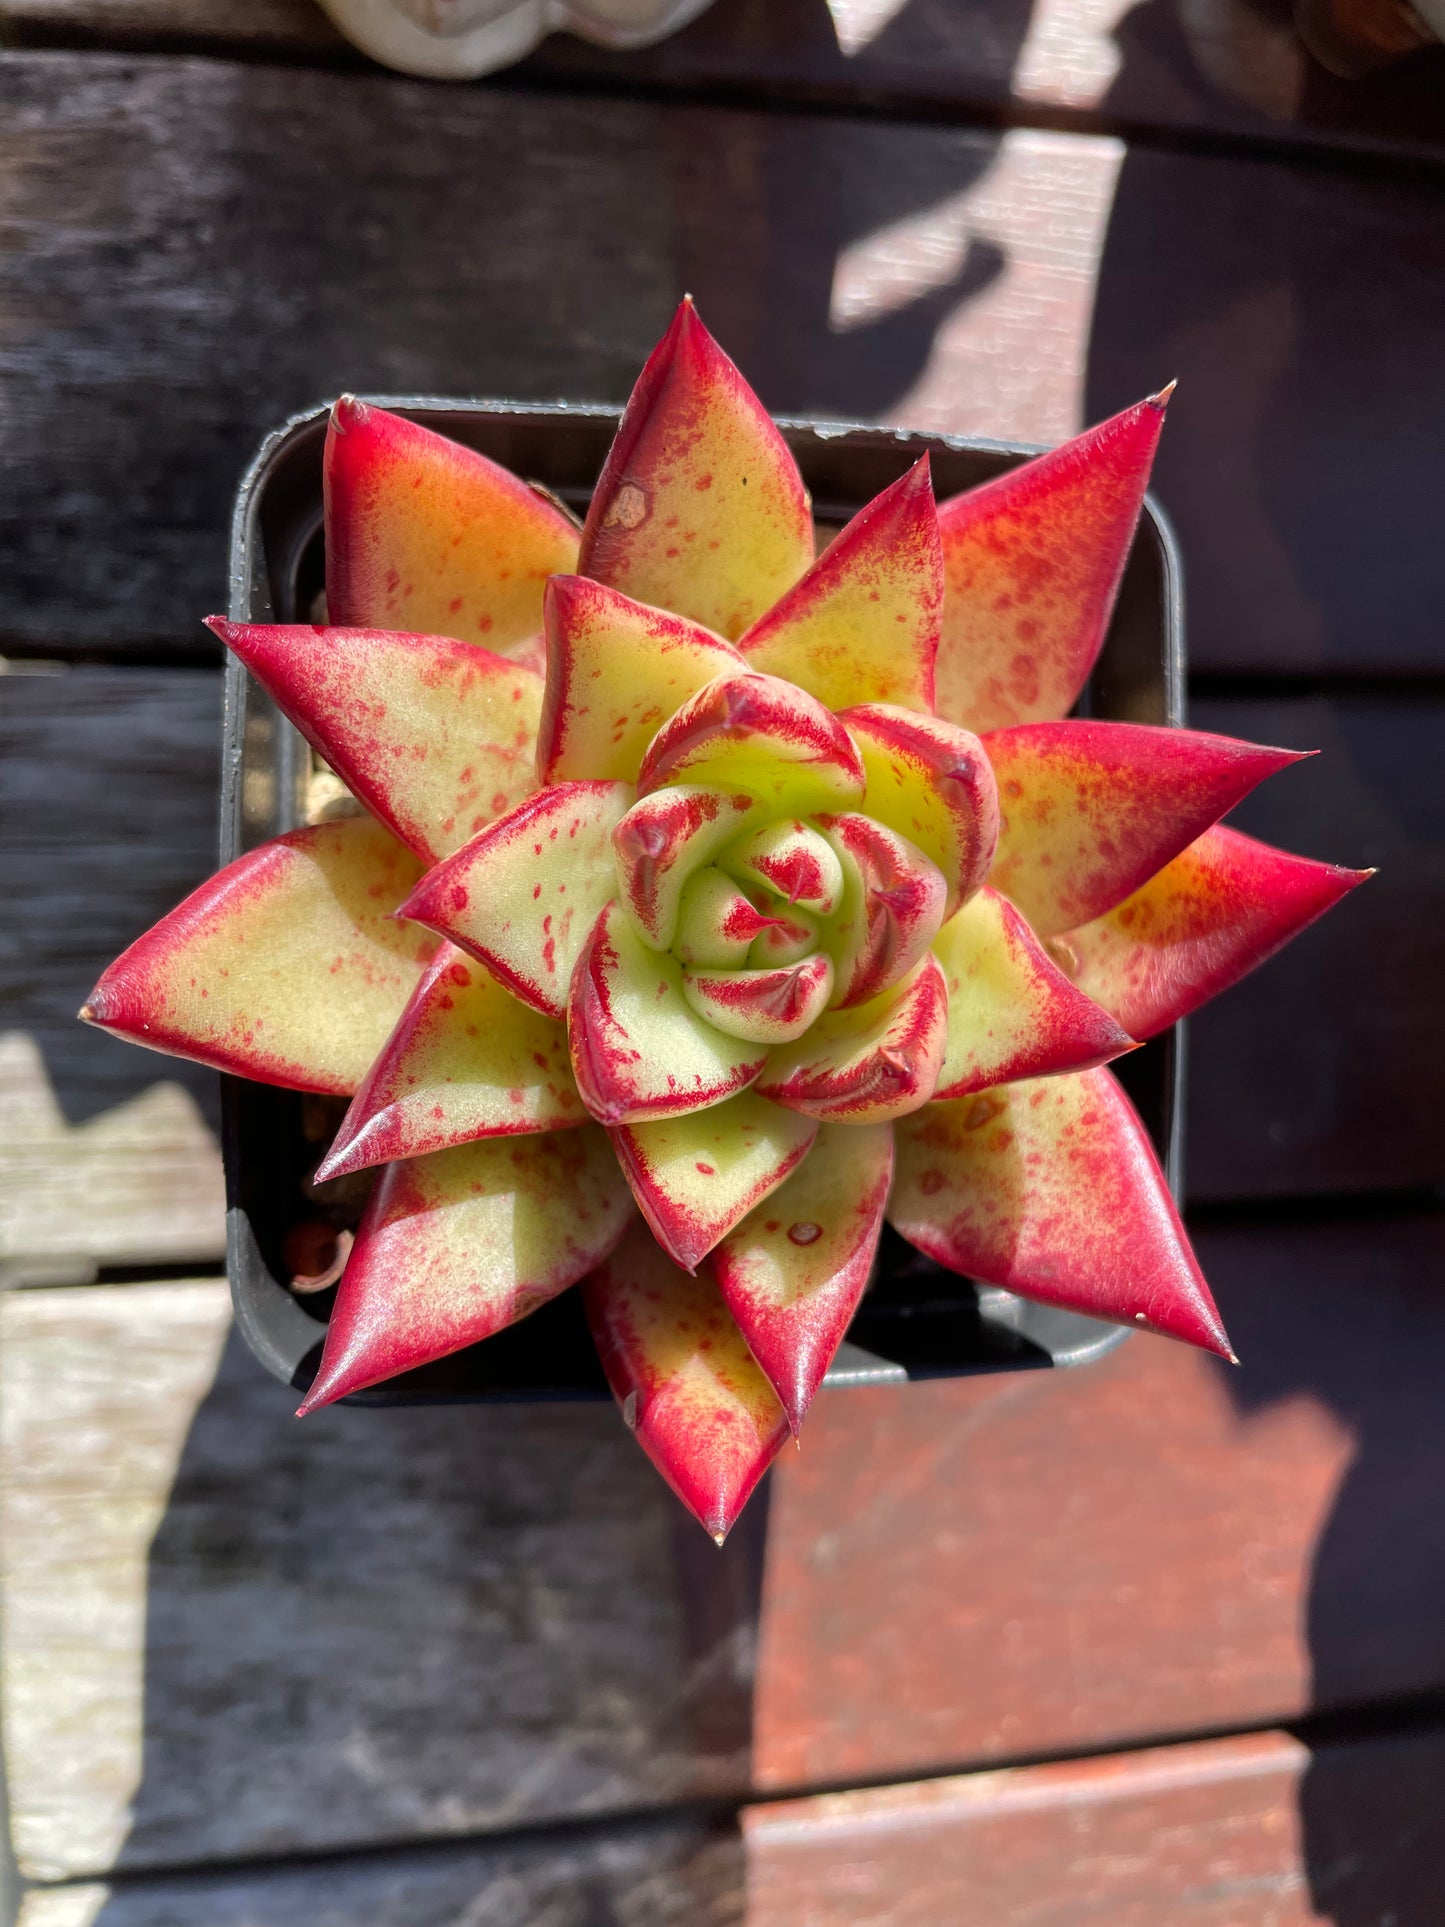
{"x": 1156, "y": 1544}
{"x": 108, "y": 782}
{"x": 1324, "y": 1072}
{"x": 1215, "y": 1834}
{"x": 666, "y": 1873}
{"x": 1217, "y": 68}
{"x": 159, "y": 316}
{"x": 228, "y": 1633}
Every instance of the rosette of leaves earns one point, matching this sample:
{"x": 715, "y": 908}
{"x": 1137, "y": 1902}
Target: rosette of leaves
{"x": 715, "y": 901}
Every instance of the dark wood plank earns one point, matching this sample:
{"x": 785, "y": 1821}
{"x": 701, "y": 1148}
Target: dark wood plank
{"x": 108, "y": 790}
{"x": 1010, "y": 284}
{"x": 1215, "y": 1834}
{"x": 1156, "y": 1544}
{"x": 1218, "y": 69}
{"x": 230, "y": 1634}
{"x": 663, "y": 1873}
{"x": 1325, "y": 1071}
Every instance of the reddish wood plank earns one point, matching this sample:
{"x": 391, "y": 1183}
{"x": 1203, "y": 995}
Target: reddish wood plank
{"x": 1249, "y": 1832}
{"x": 958, "y": 279}
{"x": 1155, "y": 1544}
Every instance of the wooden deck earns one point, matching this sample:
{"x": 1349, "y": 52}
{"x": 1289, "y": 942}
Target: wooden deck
{"x": 1156, "y": 1644}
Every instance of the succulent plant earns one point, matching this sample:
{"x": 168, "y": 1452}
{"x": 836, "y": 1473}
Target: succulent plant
{"x": 713, "y": 902}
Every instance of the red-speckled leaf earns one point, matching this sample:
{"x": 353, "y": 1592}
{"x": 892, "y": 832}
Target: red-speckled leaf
{"x": 893, "y": 901}
{"x": 1088, "y": 811}
{"x": 427, "y": 536}
{"x": 1032, "y": 563}
{"x": 1011, "y": 1011}
{"x": 467, "y": 1060}
{"x": 761, "y": 735}
{"x": 663, "y": 842}
{"x": 699, "y": 507}
{"x": 862, "y": 1066}
{"x": 862, "y": 625}
{"x": 286, "y": 966}
{"x": 435, "y": 736}
{"x": 793, "y": 1271}
{"x": 695, "y": 1177}
{"x": 689, "y": 1388}
{"x": 1052, "y": 1189}
{"x": 1210, "y": 917}
{"x": 931, "y": 782}
{"x": 793, "y": 861}
{"x": 638, "y": 1050}
{"x": 772, "y": 1005}
{"x": 454, "y": 1246}
{"x": 616, "y": 671}
{"x": 523, "y": 895}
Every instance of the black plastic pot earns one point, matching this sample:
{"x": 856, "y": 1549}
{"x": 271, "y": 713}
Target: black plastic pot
{"x": 917, "y": 1320}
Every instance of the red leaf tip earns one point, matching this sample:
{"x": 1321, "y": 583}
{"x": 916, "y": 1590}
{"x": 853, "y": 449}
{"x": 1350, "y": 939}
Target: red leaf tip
{"x": 348, "y": 412}
{"x": 1161, "y": 400}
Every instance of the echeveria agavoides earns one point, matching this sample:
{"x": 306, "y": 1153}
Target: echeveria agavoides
{"x": 717, "y": 902}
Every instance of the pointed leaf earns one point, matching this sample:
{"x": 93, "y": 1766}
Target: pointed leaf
{"x": 932, "y": 782}
{"x": 286, "y": 966}
{"x": 757, "y": 734}
{"x": 638, "y": 1051}
{"x": 435, "y": 736}
{"x": 716, "y": 924}
{"x": 1011, "y": 1011}
{"x": 616, "y": 671}
{"x": 1089, "y": 811}
{"x": 793, "y": 1271}
{"x": 762, "y": 1006}
{"x": 524, "y": 894}
{"x": 467, "y": 1060}
{"x": 1052, "y": 1189}
{"x": 862, "y": 626}
{"x": 688, "y": 1386}
{"x": 862, "y": 1066}
{"x": 788, "y": 938}
{"x": 663, "y": 842}
{"x": 695, "y": 1177}
{"x": 1210, "y": 917}
{"x": 795, "y": 862}
{"x": 699, "y": 506}
{"x": 455, "y": 1246}
{"x": 893, "y": 900}
{"x": 1032, "y": 563}
{"x": 427, "y": 536}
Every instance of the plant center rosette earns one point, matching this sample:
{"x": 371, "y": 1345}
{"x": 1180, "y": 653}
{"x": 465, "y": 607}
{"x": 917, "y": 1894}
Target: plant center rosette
{"x": 713, "y": 902}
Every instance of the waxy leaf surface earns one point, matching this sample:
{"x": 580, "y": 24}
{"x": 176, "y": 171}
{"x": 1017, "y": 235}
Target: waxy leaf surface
{"x": 638, "y": 1050}
{"x": 1032, "y": 563}
{"x": 768, "y": 1006}
{"x": 524, "y": 895}
{"x": 455, "y": 1246}
{"x": 862, "y": 625}
{"x": 699, "y": 507}
{"x": 663, "y": 842}
{"x": 467, "y": 1060}
{"x": 434, "y": 735}
{"x": 761, "y": 735}
{"x": 865, "y": 1065}
{"x": 893, "y": 900}
{"x": 716, "y": 924}
{"x": 286, "y": 966}
{"x": 1052, "y": 1189}
{"x": 932, "y": 783}
{"x": 1089, "y": 811}
{"x": 695, "y": 1177}
{"x": 1011, "y": 1011}
{"x": 793, "y": 1271}
{"x": 793, "y": 861}
{"x": 1219, "y": 910}
{"x": 427, "y": 536}
{"x": 690, "y": 1389}
{"x": 616, "y": 670}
